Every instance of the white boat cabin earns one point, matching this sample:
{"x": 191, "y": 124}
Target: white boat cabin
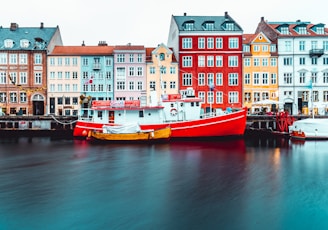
{"x": 171, "y": 108}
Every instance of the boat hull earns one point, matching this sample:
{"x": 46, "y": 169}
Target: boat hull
{"x": 143, "y": 136}
{"x": 309, "y": 129}
{"x": 230, "y": 124}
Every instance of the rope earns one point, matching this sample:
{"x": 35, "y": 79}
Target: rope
{"x": 63, "y": 123}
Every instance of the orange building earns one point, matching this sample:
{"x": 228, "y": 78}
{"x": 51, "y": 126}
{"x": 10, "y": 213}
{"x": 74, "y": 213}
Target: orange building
{"x": 260, "y": 73}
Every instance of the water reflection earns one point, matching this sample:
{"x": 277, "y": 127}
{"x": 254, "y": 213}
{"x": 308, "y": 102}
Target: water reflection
{"x": 217, "y": 184}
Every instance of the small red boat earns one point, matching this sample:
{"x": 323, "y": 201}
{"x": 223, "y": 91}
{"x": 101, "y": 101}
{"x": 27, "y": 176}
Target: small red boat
{"x": 183, "y": 115}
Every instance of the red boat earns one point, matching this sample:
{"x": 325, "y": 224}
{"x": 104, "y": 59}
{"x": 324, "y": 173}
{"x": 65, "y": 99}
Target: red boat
{"x": 183, "y": 115}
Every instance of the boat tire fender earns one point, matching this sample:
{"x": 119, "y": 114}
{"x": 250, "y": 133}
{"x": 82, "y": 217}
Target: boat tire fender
{"x": 173, "y": 112}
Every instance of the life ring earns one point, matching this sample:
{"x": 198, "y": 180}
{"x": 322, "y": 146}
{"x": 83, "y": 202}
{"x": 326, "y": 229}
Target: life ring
{"x": 173, "y": 112}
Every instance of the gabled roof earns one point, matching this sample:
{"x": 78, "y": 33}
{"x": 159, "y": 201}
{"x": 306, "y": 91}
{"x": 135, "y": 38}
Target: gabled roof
{"x": 198, "y": 22}
{"x": 273, "y": 29}
{"x": 150, "y": 50}
{"x": 82, "y": 50}
{"x": 37, "y": 37}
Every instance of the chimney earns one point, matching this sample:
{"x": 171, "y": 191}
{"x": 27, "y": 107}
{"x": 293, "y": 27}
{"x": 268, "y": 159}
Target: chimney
{"x": 262, "y": 19}
{"x": 185, "y": 14}
{"x": 41, "y": 25}
{"x": 13, "y": 26}
{"x": 83, "y": 43}
{"x": 226, "y": 14}
{"x": 102, "y": 43}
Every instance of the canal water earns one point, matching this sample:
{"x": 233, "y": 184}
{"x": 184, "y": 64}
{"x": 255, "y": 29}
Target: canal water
{"x": 218, "y": 184}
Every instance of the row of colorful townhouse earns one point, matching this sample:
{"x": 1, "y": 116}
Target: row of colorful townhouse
{"x": 283, "y": 65}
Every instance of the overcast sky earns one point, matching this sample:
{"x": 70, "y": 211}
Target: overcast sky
{"x": 147, "y": 22}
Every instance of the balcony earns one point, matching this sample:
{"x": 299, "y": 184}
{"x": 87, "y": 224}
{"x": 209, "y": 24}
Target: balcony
{"x": 316, "y": 52}
{"x": 96, "y": 66}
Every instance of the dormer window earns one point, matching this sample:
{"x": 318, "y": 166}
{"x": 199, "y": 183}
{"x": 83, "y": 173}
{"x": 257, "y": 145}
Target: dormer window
{"x": 208, "y": 26}
{"x": 284, "y": 30}
{"x": 320, "y": 30}
{"x": 230, "y": 26}
{"x": 189, "y": 26}
{"x": 24, "y": 43}
{"x": 302, "y": 30}
{"x": 9, "y": 43}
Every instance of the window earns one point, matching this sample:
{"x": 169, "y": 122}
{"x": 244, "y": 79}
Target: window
{"x": 74, "y": 75}
{"x": 233, "y": 43}
{"x": 288, "y": 78}
{"x": 38, "y": 78}
{"x": 131, "y": 85}
{"x": 163, "y": 69}
{"x": 67, "y": 61}
{"x": 13, "y": 97}
{"x": 233, "y": 97}
{"x": 233, "y": 61}
{"x": 172, "y": 84}
{"x": 265, "y": 78}
{"x": 210, "y": 43}
{"x": 189, "y": 26}
{"x": 230, "y": 26}
{"x": 219, "y": 97}
{"x": 302, "y": 60}
{"x": 314, "y": 60}
{"x": 187, "y": 61}
{"x": 37, "y": 59}
{"x": 152, "y": 70}
{"x": 265, "y": 95}
{"x": 264, "y": 62}
{"x": 9, "y": 43}
{"x": 208, "y": 26}
{"x": 120, "y": 73}
{"x": 139, "y": 85}
{"x": 187, "y": 79}
{"x": 256, "y": 48}
{"x": 288, "y": 61}
{"x": 325, "y": 45}
{"x": 247, "y": 78}
{"x": 302, "y": 30}
{"x": 247, "y": 62}
{"x": 273, "y": 61}
{"x": 256, "y": 78}
{"x": 210, "y": 80}
{"x": 22, "y": 58}
{"x": 247, "y": 97}
{"x": 302, "y": 77}
{"x": 3, "y": 79}
{"x": 201, "y": 43}
{"x": 13, "y": 77}
{"x": 23, "y": 78}
{"x": 273, "y": 78}
{"x": 139, "y": 58}
{"x": 60, "y": 75}
{"x": 233, "y": 79}
{"x": 301, "y": 45}
{"x": 60, "y": 61}
{"x": 273, "y": 48}
{"x": 131, "y": 58}
{"x": 219, "y": 43}
{"x": 284, "y": 30}
{"x": 219, "y": 79}
{"x": 120, "y": 85}
{"x": 12, "y": 58}
{"x": 201, "y": 95}
{"x": 139, "y": 71}
{"x": 186, "y": 43}
{"x": 22, "y": 97}
{"x": 152, "y": 85}
{"x": 74, "y": 60}
{"x": 210, "y": 61}
{"x": 256, "y": 62}
{"x": 219, "y": 61}
{"x": 24, "y": 43}
{"x": 172, "y": 70}
{"x": 201, "y": 78}
{"x": 67, "y": 75}
{"x": 201, "y": 61}
{"x": 3, "y": 97}
{"x": 288, "y": 46}
{"x": 210, "y": 97}
{"x": 120, "y": 58}
{"x": 131, "y": 71}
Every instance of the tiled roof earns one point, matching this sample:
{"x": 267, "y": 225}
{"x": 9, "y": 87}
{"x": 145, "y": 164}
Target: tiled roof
{"x": 248, "y": 38}
{"x": 149, "y": 51}
{"x": 32, "y": 34}
{"x": 129, "y": 47}
{"x": 82, "y": 50}
{"x": 199, "y": 20}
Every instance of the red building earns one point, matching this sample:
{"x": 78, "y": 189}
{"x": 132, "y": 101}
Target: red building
{"x": 209, "y": 50}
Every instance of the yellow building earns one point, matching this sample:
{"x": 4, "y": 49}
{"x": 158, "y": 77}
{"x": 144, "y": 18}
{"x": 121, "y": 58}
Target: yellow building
{"x": 260, "y": 74}
{"x": 162, "y": 73}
